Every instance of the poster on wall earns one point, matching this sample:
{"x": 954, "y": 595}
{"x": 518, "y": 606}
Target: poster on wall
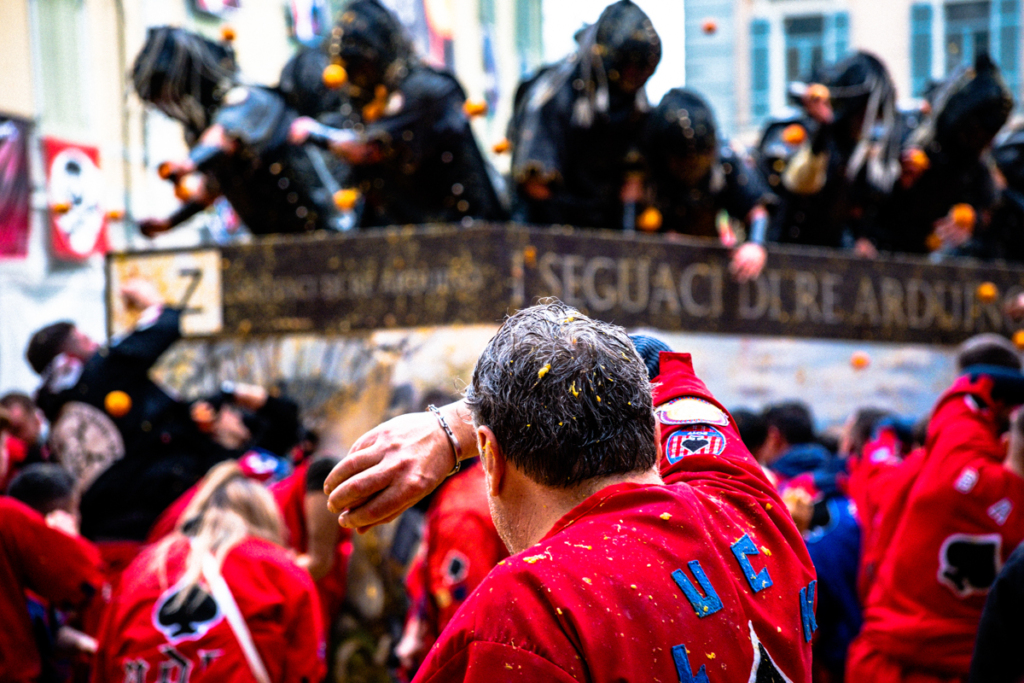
{"x": 15, "y": 187}
{"x": 215, "y": 8}
{"x": 430, "y": 25}
{"x": 309, "y": 21}
{"x": 74, "y": 189}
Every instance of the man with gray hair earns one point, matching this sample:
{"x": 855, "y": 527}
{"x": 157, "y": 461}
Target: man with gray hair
{"x": 616, "y": 574}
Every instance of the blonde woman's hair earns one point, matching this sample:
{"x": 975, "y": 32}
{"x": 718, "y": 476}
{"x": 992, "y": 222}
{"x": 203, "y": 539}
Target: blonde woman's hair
{"x": 227, "y": 508}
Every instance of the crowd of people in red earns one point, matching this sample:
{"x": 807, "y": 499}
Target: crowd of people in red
{"x": 606, "y": 519}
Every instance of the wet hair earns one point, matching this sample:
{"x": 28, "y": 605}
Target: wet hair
{"x": 47, "y": 344}
{"x": 793, "y": 420}
{"x": 318, "y": 470}
{"x": 44, "y": 487}
{"x": 752, "y": 428}
{"x": 16, "y": 399}
{"x": 302, "y": 84}
{"x": 370, "y": 37}
{"x": 227, "y": 508}
{"x": 437, "y": 397}
{"x": 970, "y": 108}
{"x": 1009, "y": 158}
{"x": 974, "y": 108}
{"x": 184, "y": 75}
{"x": 567, "y": 397}
{"x": 987, "y": 349}
{"x": 860, "y": 85}
{"x": 864, "y": 422}
{"x": 626, "y": 36}
{"x": 920, "y": 432}
{"x": 683, "y": 125}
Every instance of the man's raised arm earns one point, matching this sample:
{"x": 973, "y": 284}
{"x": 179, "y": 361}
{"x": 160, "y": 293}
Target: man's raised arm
{"x": 394, "y": 465}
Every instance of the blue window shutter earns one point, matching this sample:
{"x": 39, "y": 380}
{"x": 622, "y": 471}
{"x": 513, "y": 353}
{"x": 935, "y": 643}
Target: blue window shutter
{"x": 759, "y": 30}
{"x": 1009, "y": 34}
{"x": 840, "y": 34}
{"x": 920, "y": 48}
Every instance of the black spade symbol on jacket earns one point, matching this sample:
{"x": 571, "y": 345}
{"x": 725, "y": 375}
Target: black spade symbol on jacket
{"x": 193, "y": 617}
{"x": 694, "y": 444}
{"x": 970, "y": 566}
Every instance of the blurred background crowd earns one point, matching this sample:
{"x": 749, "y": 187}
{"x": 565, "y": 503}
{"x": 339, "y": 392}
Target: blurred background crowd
{"x": 128, "y": 511}
{"x": 167, "y": 124}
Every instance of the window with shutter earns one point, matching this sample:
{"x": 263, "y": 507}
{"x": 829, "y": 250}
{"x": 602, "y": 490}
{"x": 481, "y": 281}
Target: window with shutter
{"x": 920, "y": 48}
{"x": 759, "y": 81}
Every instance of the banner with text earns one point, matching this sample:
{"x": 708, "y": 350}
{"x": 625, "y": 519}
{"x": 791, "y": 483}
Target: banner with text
{"x": 447, "y": 275}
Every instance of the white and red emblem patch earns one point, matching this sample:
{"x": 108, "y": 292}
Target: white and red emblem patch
{"x": 690, "y": 410}
{"x": 697, "y": 441}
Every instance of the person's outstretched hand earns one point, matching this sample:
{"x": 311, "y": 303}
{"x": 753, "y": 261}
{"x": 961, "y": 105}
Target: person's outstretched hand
{"x": 748, "y": 261}
{"x": 394, "y": 465}
{"x": 139, "y": 294}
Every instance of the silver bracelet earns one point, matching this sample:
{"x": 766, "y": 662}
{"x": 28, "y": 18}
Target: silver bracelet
{"x": 456, "y": 449}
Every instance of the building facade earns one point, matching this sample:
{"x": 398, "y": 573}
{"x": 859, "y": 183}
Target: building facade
{"x": 757, "y": 47}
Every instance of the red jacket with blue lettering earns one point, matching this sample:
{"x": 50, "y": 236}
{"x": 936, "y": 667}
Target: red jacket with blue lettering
{"x": 703, "y": 579}
{"x": 960, "y": 519}
{"x": 145, "y": 637}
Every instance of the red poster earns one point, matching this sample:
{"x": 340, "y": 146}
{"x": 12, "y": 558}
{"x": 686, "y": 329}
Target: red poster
{"x": 78, "y": 223}
{"x": 15, "y": 187}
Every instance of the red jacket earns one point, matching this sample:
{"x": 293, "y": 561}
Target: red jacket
{"x": 460, "y": 546}
{"x": 290, "y": 494}
{"x": 879, "y": 481}
{"x": 143, "y": 639}
{"x": 954, "y": 518}
{"x": 63, "y": 569}
{"x": 705, "y": 578}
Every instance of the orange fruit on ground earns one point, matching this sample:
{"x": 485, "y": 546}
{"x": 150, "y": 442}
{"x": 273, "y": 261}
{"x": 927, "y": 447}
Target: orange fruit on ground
{"x": 501, "y": 146}
{"x": 650, "y": 220}
{"x": 964, "y": 216}
{"x": 860, "y": 360}
{"x": 334, "y": 76}
{"x": 164, "y": 170}
{"x": 227, "y": 33}
{"x": 1018, "y": 339}
{"x": 117, "y": 403}
{"x": 710, "y": 26}
{"x": 115, "y": 215}
{"x": 61, "y": 207}
{"x": 987, "y": 292}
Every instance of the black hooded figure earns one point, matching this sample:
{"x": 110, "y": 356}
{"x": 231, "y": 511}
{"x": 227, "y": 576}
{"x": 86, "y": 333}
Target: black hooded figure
{"x": 577, "y": 126}
{"x": 406, "y": 134}
{"x": 1004, "y": 236}
{"x": 238, "y": 139}
{"x": 833, "y": 167}
{"x": 302, "y": 85}
{"x": 695, "y": 175}
{"x": 970, "y": 108}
